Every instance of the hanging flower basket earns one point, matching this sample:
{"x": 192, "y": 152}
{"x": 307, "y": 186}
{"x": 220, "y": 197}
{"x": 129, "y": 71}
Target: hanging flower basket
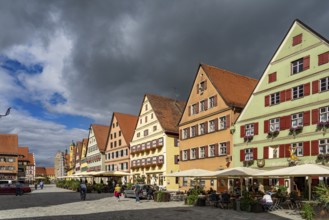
{"x": 248, "y": 163}
{"x": 322, "y": 125}
{"x": 322, "y": 158}
{"x": 295, "y": 130}
{"x": 273, "y": 134}
{"x": 248, "y": 138}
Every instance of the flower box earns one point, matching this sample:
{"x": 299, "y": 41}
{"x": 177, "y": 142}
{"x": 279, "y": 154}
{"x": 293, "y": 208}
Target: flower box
{"x": 248, "y": 138}
{"x": 322, "y": 125}
{"x": 295, "y": 130}
{"x": 273, "y": 134}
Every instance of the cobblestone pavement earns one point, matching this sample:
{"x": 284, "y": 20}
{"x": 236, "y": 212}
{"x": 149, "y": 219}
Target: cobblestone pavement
{"x": 54, "y": 203}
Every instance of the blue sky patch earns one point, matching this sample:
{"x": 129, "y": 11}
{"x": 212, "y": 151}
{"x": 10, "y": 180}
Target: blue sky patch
{"x": 14, "y": 66}
{"x": 57, "y": 98}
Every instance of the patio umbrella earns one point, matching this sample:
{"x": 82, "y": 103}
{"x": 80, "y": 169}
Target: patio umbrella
{"x": 190, "y": 173}
{"x": 303, "y": 170}
{"x": 237, "y": 172}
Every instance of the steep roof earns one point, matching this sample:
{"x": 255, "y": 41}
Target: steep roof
{"x": 31, "y": 159}
{"x": 40, "y": 171}
{"x": 9, "y": 144}
{"x": 23, "y": 151}
{"x": 127, "y": 124}
{"x": 101, "y": 132}
{"x": 50, "y": 171}
{"x": 79, "y": 148}
{"x": 168, "y": 111}
{"x": 235, "y": 89}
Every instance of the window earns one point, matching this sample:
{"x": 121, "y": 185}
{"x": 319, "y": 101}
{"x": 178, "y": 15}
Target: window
{"x": 193, "y": 153}
{"x": 297, "y": 120}
{"x": 222, "y": 123}
{"x": 324, "y": 146}
{"x": 211, "y": 126}
{"x": 117, "y": 124}
{"x": 185, "y": 181}
{"x": 202, "y": 152}
{"x": 324, "y": 84}
{"x": 115, "y": 143}
{"x": 250, "y": 130}
{"x": 185, "y": 155}
{"x": 111, "y": 144}
{"x": 113, "y": 125}
{"x": 146, "y": 132}
{"x": 145, "y": 119}
{"x": 274, "y": 124}
{"x": 323, "y": 58}
{"x": 273, "y": 152}
{"x": 111, "y": 136}
{"x": 212, "y": 102}
{"x": 119, "y": 133}
{"x": 146, "y": 107}
{"x": 185, "y": 131}
{"x": 222, "y": 149}
{"x": 324, "y": 114}
{"x": 152, "y": 116}
{"x": 201, "y": 128}
{"x": 275, "y": 98}
{"x": 202, "y": 106}
{"x": 154, "y": 128}
{"x": 115, "y": 135}
{"x": 297, "y": 66}
{"x": 211, "y": 151}
{"x": 248, "y": 155}
{"x": 194, "y": 109}
{"x": 138, "y": 134}
{"x": 297, "y": 39}
{"x": 119, "y": 142}
{"x": 140, "y": 121}
{"x": 193, "y": 131}
{"x": 297, "y": 149}
{"x": 202, "y": 86}
{"x": 298, "y": 92}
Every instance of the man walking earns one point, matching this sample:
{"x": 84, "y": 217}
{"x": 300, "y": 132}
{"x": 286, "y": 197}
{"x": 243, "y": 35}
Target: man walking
{"x": 137, "y": 189}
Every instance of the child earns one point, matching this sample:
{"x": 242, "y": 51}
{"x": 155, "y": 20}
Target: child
{"x": 117, "y": 192}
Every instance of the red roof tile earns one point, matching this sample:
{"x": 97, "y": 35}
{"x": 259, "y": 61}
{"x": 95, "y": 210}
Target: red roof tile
{"x": 31, "y": 159}
{"x": 101, "y": 132}
{"x": 8, "y": 144}
{"x": 127, "y": 124}
{"x": 23, "y": 151}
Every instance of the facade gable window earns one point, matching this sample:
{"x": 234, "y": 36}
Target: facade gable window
{"x": 140, "y": 121}
{"x": 297, "y": 149}
{"x": 222, "y": 123}
{"x": 194, "y": 109}
{"x": 275, "y": 98}
{"x": 249, "y": 130}
{"x": 297, "y": 66}
{"x": 193, "y": 131}
{"x": 298, "y": 92}
{"x": 274, "y": 124}
{"x": 211, "y": 150}
{"x": 324, "y": 114}
{"x": 222, "y": 148}
{"x": 324, "y": 84}
{"x": 146, "y": 107}
{"x": 185, "y": 156}
{"x": 274, "y": 152}
{"x": 297, "y": 39}
{"x": 145, "y": 119}
{"x": 323, "y": 58}
{"x": 202, "y": 152}
{"x": 146, "y": 132}
{"x": 212, "y": 102}
{"x": 248, "y": 154}
{"x": 324, "y": 146}
{"x": 202, "y": 86}
{"x": 138, "y": 134}
{"x": 211, "y": 126}
{"x": 202, "y": 105}
{"x": 193, "y": 153}
{"x": 152, "y": 116}
{"x": 297, "y": 120}
{"x": 202, "y": 128}
{"x": 154, "y": 128}
{"x": 185, "y": 132}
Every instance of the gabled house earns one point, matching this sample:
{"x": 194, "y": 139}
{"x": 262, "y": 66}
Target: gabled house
{"x": 59, "y": 164}
{"x": 84, "y": 164}
{"x": 117, "y": 155}
{"x": 285, "y": 120}
{"x": 8, "y": 156}
{"x": 23, "y": 160}
{"x": 71, "y": 159}
{"x": 96, "y": 147}
{"x": 30, "y": 169}
{"x": 154, "y": 147}
{"x": 216, "y": 99}
{"x": 78, "y": 157}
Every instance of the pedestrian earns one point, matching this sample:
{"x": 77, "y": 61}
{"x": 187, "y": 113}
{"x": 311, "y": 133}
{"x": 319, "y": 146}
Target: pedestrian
{"x": 41, "y": 184}
{"x": 117, "y": 192}
{"x": 35, "y": 185}
{"x": 18, "y": 188}
{"x": 137, "y": 189}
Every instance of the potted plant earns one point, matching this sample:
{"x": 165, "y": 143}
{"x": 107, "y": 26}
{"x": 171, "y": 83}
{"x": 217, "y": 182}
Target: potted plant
{"x": 273, "y": 134}
{"x": 248, "y": 138}
{"x": 98, "y": 187}
{"x": 295, "y": 130}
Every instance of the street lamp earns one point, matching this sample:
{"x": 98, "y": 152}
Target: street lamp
{"x": 7, "y": 113}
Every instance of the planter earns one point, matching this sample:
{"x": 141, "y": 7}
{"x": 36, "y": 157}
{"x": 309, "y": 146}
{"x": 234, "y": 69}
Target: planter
{"x": 257, "y": 208}
{"x": 161, "y": 196}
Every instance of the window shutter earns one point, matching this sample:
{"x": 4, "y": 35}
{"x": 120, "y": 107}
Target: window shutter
{"x": 272, "y": 77}
{"x": 228, "y": 122}
{"x": 197, "y": 88}
{"x": 267, "y": 100}
{"x": 306, "y": 63}
{"x": 206, "y": 127}
{"x": 254, "y": 153}
{"x": 228, "y": 148}
{"x": 205, "y": 104}
{"x": 176, "y": 159}
{"x": 189, "y": 111}
{"x": 266, "y": 126}
{"x": 282, "y": 96}
{"x": 215, "y": 100}
{"x": 216, "y": 124}
{"x": 315, "y": 147}
{"x": 196, "y": 153}
{"x": 307, "y": 87}
{"x": 306, "y": 148}
{"x": 315, "y": 86}
{"x": 242, "y": 131}
{"x": 216, "y": 150}
{"x": 281, "y": 181}
{"x": 206, "y": 151}
{"x": 297, "y": 39}
{"x": 181, "y": 155}
{"x": 196, "y": 130}
{"x": 288, "y": 94}
{"x": 281, "y": 151}
{"x": 287, "y": 152}
{"x": 265, "y": 154}
{"x": 175, "y": 142}
{"x": 205, "y": 84}
{"x": 188, "y": 154}
{"x": 188, "y": 132}
{"x": 197, "y": 108}
{"x": 256, "y": 128}
{"x": 282, "y": 123}
{"x": 306, "y": 118}
{"x": 315, "y": 116}
{"x": 323, "y": 58}
{"x": 180, "y": 134}
{"x": 241, "y": 155}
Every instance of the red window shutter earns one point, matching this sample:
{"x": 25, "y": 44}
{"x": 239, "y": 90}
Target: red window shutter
{"x": 315, "y": 86}
{"x": 281, "y": 151}
{"x": 297, "y": 39}
{"x": 216, "y": 124}
{"x": 306, "y": 148}
{"x": 323, "y": 58}
{"x": 205, "y": 85}
{"x": 216, "y": 150}
{"x": 254, "y": 153}
{"x": 180, "y": 134}
{"x": 228, "y": 148}
{"x": 241, "y": 155}
{"x": 188, "y": 154}
{"x": 265, "y": 153}
{"x": 197, "y": 88}
{"x": 197, "y": 108}
{"x": 228, "y": 122}
{"x": 267, "y": 100}
{"x": 306, "y": 63}
{"x": 306, "y": 118}
{"x": 196, "y": 130}
{"x": 281, "y": 181}
{"x": 196, "y": 153}
{"x": 206, "y": 151}
{"x": 284, "y": 122}
{"x": 181, "y": 155}
{"x": 287, "y": 150}
{"x": 307, "y": 88}
{"x": 288, "y": 121}
{"x": 205, "y": 104}
{"x": 189, "y": 111}
{"x": 256, "y": 128}
{"x": 242, "y": 131}
{"x": 315, "y": 147}
{"x": 266, "y": 126}
{"x": 188, "y": 132}
{"x": 315, "y": 116}
{"x": 282, "y": 96}
{"x": 288, "y": 94}
{"x": 206, "y": 127}
{"x": 272, "y": 77}
{"x": 215, "y": 100}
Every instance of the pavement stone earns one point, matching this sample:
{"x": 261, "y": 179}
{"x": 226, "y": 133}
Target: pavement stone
{"x": 56, "y": 203}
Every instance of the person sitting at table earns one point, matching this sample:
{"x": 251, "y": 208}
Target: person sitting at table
{"x": 225, "y": 199}
{"x": 267, "y": 201}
